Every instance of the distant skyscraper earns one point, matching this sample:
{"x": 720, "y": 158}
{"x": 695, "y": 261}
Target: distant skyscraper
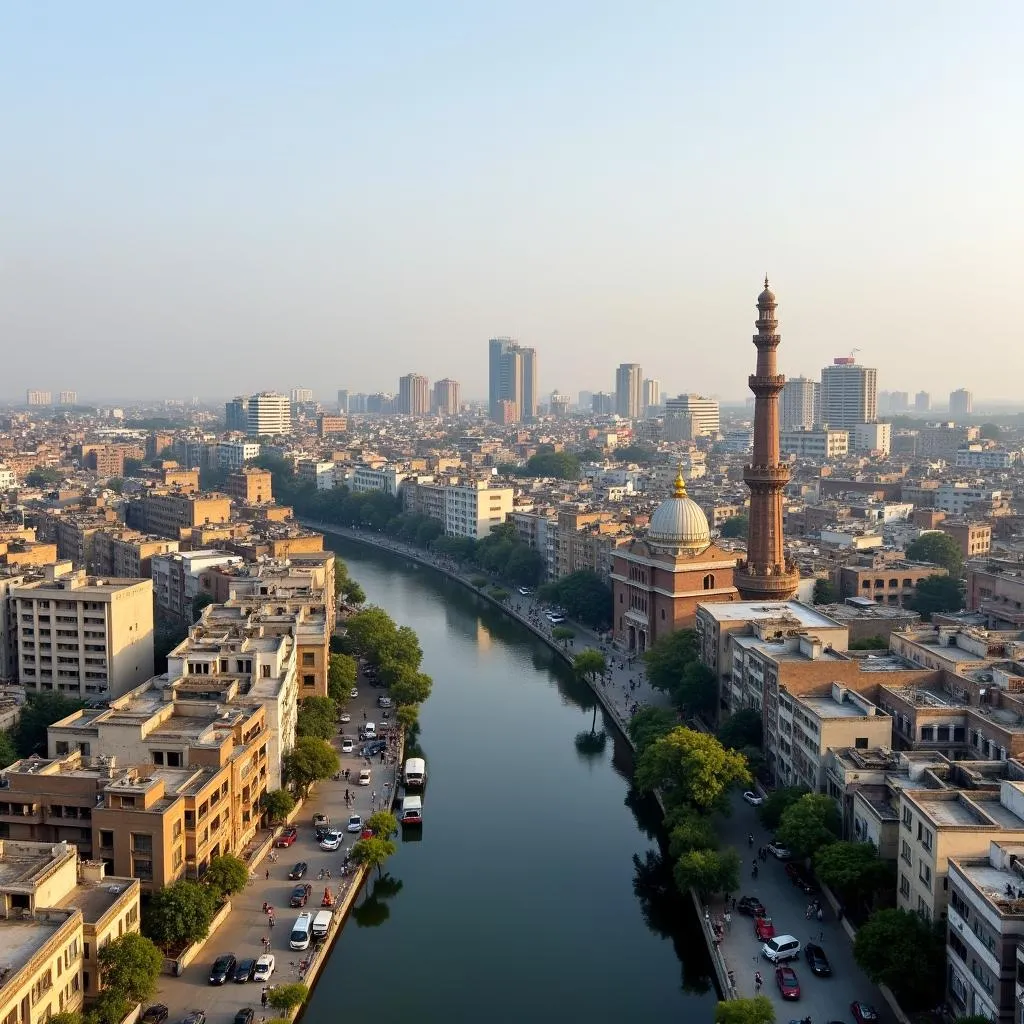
{"x": 528, "y": 404}
{"x": 38, "y": 398}
{"x": 849, "y": 393}
{"x": 413, "y": 395}
{"x": 629, "y": 380}
{"x": 301, "y": 396}
{"x": 651, "y": 394}
{"x": 446, "y": 398}
{"x": 560, "y": 404}
{"x": 704, "y": 412}
{"x": 586, "y": 402}
{"x": 799, "y": 407}
{"x": 343, "y": 400}
{"x": 269, "y": 413}
{"x": 961, "y": 402}
{"x": 512, "y": 377}
{"x": 603, "y": 403}
{"x": 899, "y": 401}
{"x": 922, "y": 402}
{"x": 356, "y": 402}
{"x": 68, "y": 398}
{"x": 236, "y": 414}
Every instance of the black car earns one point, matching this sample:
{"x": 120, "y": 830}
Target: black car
{"x": 223, "y": 968}
{"x": 298, "y": 897}
{"x": 321, "y": 831}
{"x": 299, "y": 871}
{"x": 751, "y": 906}
{"x": 245, "y": 1015}
{"x": 243, "y": 972}
{"x": 194, "y": 1017}
{"x": 817, "y": 961}
{"x": 155, "y": 1014}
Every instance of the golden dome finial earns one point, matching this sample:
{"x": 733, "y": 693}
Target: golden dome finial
{"x": 679, "y": 487}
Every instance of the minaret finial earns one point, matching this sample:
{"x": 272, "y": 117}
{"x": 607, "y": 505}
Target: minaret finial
{"x": 766, "y": 281}
{"x": 679, "y": 487}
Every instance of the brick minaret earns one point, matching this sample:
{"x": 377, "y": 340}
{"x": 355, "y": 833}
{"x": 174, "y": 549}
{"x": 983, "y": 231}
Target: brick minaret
{"x": 766, "y": 576}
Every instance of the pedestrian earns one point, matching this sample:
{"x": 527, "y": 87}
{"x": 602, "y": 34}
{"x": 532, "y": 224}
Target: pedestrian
{"x": 821, "y": 914}
{"x": 758, "y": 982}
{"x": 267, "y": 875}
{"x": 728, "y": 921}
{"x": 263, "y": 999}
{"x": 271, "y": 920}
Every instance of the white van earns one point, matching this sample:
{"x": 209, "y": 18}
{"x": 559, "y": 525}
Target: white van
{"x": 415, "y": 773}
{"x": 302, "y": 932}
{"x": 412, "y": 811}
{"x": 781, "y": 948}
{"x": 370, "y": 730}
{"x": 322, "y": 923}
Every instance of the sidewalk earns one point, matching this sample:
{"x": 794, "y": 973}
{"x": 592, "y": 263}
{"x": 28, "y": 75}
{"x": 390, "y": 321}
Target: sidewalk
{"x": 246, "y": 926}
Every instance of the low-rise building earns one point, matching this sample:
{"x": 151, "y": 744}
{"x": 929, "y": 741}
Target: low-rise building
{"x": 995, "y": 588}
{"x": 128, "y": 553}
{"x": 973, "y": 539}
{"x": 473, "y": 509}
{"x": 250, "y": 485}
{"x": 174, "y": 513}
{"x": 884, "y": 582}
{"x": 819, "y": 444}
{"x": 178, "y": 579}
{"x": 235, "y": 454}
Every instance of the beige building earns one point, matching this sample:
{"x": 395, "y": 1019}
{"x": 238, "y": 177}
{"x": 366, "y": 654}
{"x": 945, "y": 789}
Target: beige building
{"x": 250, "y": 486}
{"x": 173, "y": 513}
{"x": 890, "y": 583}
{"x": 973, "y": 539}
{"x": 74, "y": 531}
{"x": 474, "y": 508}
{"x": 128, "y": 553}
{"x": 84, "y": 636}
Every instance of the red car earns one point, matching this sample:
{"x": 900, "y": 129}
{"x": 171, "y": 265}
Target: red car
{"x": 786, "y": 979}
{"x": 864, "y": 1013}
{"x": 763, "y": 929}
{"x": 287, "y": 837}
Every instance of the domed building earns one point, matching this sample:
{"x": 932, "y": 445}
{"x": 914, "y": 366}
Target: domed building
{"x": 658, "y": 580}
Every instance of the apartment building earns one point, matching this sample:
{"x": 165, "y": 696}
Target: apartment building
{"x": 889, "y": 583}
{"x": 986, "y": 928}
{"x": 978, "y": 456}
{"x": 317, "y": 472}
{"x": 73, "y": 531}
{"x": 373, "y": 478}
{"x": 250, "y": 486}
{"x": 327, "y": 426}
{"x": 473, "y": 509}
{"x": 995, "y": 588}
{"x": 173, "y": 513}
{"x": 821, "y": 444}
{"x": 8, "y": 478}
{"x": 268, "y": 414}
{"x": 944, "y": 440}
{"x": 83, "y": 636}
{"x": 961, "y": 499}
{"x": 128, "y": 553}
{"x": 702, "y": 413}
{"x": 23, "y": 554}
{"x": 178, "y": 579}
{"x": 235, "y": 454}
{"x": 109, "y": 459}
{"x": 59, "y": 914}
{"x": 974, "y": 539}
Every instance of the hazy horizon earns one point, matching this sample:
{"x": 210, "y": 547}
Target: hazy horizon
{"x": 222, "y": 200}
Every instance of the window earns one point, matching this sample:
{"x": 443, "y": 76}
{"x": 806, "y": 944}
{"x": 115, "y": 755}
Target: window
{"x": 905, "y": 853}
{"x": 264, "y": 671}
{"x": 142, "y": 843}
{"x": 106, "y": 839}
{"x": 158, "y": 757}
{"x": 908, "y": 818}
{"x": 173, "y": 759}
{"x": 309, "y": 680}
{"x": 709, "y": 581}
{"x": 308, "y": 659}
{"x": 927, "y": 734}
{"x": 925, "y": 874}
{"x": 861, "y": 743}
{"x": 904, "y": 885}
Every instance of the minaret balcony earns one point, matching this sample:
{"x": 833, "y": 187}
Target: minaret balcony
{"x": 766, "y": 474}
{"x": 770, "y": 383}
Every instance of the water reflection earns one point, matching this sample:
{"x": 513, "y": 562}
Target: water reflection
{"x": 373, "y": 911}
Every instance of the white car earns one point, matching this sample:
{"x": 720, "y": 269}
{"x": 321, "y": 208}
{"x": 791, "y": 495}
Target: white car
{"x": 383, "y": 702}
{"x": 364, "y": 776}
{"x": 353, "y": 693}
{"x": 344, "y": 717}
{"x": 264, "y": 968}
{"x": 355, "y": 823}
{"x": 776, "y": 849}
{"x": 331, "y": 842}
{"x": 348, "y": 745}
{"x": 753, "y": 799}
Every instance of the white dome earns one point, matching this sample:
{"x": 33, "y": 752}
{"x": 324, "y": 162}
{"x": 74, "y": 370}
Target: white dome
{"x": 679, "y": 523}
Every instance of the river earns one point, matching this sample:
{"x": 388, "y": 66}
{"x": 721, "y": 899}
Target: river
{"x": 522, "y": 900}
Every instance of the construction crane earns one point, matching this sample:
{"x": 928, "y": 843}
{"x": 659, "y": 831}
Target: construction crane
{"x": 853, "y": 353}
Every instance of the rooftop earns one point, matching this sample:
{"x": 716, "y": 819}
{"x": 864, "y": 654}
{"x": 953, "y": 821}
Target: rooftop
{"x": 94, "y": 899}
{"x": 20, "y": 940}
{"x": 829, "y": 707}
{"x": 744, "y": 611}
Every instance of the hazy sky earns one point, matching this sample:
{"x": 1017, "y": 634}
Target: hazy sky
{"x": 208, "y": 198}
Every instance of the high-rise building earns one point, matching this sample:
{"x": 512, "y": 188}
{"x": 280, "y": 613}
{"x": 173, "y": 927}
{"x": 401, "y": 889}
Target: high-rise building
{"x": 413, "y": 395}
{"x": 629, "y": 379}
{"x": 446, "y": 400}
{"x": 651, "y": 393}
{"x": 33, "y": 397}
{"x": 512, "y": 377}
{"x": 68, "y": 398}
{"x": 961, "y": 402}
{"x": 560, "y": 403}
{"x": 268, "y": 413}
{"x": 343, "y": 401}
{"x": 236, "y": 414}
{"x": 302, "y": 396}
{"x": 801, "y": 399}
{"x": 704, "y": 411}
{"x": 357, "y": 402}
{"x": 766, "y": 575}
{"x": 922, "y": 402}
{"x": 849, "y": 393}
{"x": 586, "y": 402}
{"x": 602, "y": 403}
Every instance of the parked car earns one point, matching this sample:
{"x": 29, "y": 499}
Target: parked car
{"x": 525, "y": 591}
{"x": 355, "y": 823}
{"x": 299, "y": 896}
{"x": 789, "y": 984}
{"x": 288, "y": 836}
{"x": 155, "y": 1014}
{"x": 348, "y": 745}
{"x": 817, "y": 961}
{"x": 863, "y": 1013}
{"x": 244, "y": 969}
{"x": 264, "y": 968}
{"x": 801, "y": 878}
{"x": 320, "y": 819}
{"x": 751, "y": 906}
{"x": 777, "y": 849}
{"x": 353, "y": 693}
{"x": 752, "y": 798}
{"x": 245, "y": 1015}
{"x": 194, "y": 1017}
{"x": 299, "y": 871}
{"x": 764, "y": 929}
{"x": 223, "y": 968}
{"x": 344, "y": 717}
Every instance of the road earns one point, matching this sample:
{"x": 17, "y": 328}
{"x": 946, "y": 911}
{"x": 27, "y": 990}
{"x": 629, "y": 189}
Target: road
{"x": 823, "y": 999}
{"x": 247, "y": 924}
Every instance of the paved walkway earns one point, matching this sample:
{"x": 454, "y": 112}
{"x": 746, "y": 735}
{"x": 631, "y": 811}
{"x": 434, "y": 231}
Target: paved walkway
{"x": 247, "y": 925}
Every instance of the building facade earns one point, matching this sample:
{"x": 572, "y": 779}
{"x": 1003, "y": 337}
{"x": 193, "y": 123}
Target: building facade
{"x": 849, "y": 393}
{"x": 799, "y": 406}
{"x": 413, "y": 395}
{"x": 268, "y": 414}
{"x": 629, "y": 395}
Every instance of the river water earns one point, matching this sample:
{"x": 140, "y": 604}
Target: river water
{"x": 536, "y": 890}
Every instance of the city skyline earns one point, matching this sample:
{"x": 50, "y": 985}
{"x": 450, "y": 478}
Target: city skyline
{"x": 288, "y": 195}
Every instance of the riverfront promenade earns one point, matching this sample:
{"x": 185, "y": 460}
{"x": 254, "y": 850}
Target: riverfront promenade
{"x": 247, "y": 925}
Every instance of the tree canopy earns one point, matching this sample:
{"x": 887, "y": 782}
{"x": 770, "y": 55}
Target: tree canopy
{"x": 854, "y": 870}
{"x": 708, "y": 871}
{"x": 938, "y": 548}
{"x": 758, "y": 1010}
{"x": 38, "y": 712}
{"x": 342, "y": 672}
{"x": 673, "y": 665}
{"x": 735, "y": 527}
{"x": 373, "y": 633}
{"x": 287, "y": 997}
{"x": 937, "y": 594}
{"x": 742, "y": 729}
{"x": 561, "y": 465}
{"x": 898, "y": 949}
{"x": 584, "y": 595}
{"x": 131, "y": 965}
{"x": 180, "y": 914}
{"x": 317, "y": 717}
{"x": 809, "y": 824}
{"x": 278, "y": 803}
{"x": 776, "y": 803}
{"x": 373, "y": 852}
{"x": 411, "y": 688}
{"x": 824, "y": 592}
{"x": 589, "y": 663}
{"x": 690, "y": 830}
{"x": 649, "y": 724}
{"x": 227, "y": 874}
{"x": 309, "y": 761}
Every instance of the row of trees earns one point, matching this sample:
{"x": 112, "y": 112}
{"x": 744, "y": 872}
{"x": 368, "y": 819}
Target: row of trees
{"x": 674, "y": 665}
{"x": 585, "y": 596}
{"x": 546, "y": 463}
{"x": 28, "y": 735}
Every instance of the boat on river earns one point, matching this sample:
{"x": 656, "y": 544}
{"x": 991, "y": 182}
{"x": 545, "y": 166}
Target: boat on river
{"x": 414, "y": 775}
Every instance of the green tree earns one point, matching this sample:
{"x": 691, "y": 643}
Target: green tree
{"x": 115, "y": 484}
{"x": 777, "y": 803}
{"x": 691, "y": 767}
{"x": 690, "y": 830}
{"x": 937, "y": 594}
{"x": 39, "y": 712}
{"x": 561, "y": 465}
{"x": 898, "y": 949}
{"x": 735, "y": 527}
{"x": 589, "y": 664}
{"x": 870, "y": 643}
{"x": 309, "y": 761}
{"x": 669, "y": 657}
{"x": 585, "y": 596}
{"x": 809, "y": 824}
{"x": 199, "y": 602}
{"x": 407, "y": 715}
{"x": 854, "y": 870}
{"x": 697, "y": 690}
{"x": 650, "y": 724}
{"x": 742, "y": 729}
{"x": 287, "y": 997}
{"x": 179, "y": 914}
{"x": 563, "y": 634}
{"x": 824, "y": 592}
{"x": 342, "y": 672}
{"x": 373, "y": 852}
{"x": 278, "y": 803}
{"x": 990, "y": 431}
{"x": 131, "y": 965}
{"x": 109, "y": 1007}
{"x": 226, "y": 874}
{"x": 352, "y": 592}
{"x": 8, "y": 752}
{"x": 44, "y": 476}
{"x": 65, "y": 1017}
{"x": 708, "y": 871}
{"x": 384, "y": 824}
{"x": 939, "y": 549}
{"x": 317, "y": 717}
{"x": 758, "y": 1010}
{"x": 525, "y": 566}
{"x": 412, "y": 688}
